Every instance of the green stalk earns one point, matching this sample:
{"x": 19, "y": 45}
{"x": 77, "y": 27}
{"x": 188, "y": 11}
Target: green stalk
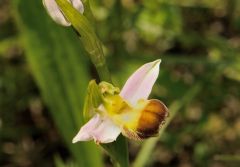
{"x": 103, "y": 73}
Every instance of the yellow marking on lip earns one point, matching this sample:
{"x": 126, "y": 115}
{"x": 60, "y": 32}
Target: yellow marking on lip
{"x": 143, "y": 120}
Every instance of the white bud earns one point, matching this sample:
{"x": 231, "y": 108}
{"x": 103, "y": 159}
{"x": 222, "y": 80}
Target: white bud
{"x": 56, "y": 14}
{"x": 77, "y": 4}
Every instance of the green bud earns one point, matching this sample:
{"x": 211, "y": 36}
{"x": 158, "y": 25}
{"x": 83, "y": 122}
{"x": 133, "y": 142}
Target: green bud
{"x": 108, "y": 89}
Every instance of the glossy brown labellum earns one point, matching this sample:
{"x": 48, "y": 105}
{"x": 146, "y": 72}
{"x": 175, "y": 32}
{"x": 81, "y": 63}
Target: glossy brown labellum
{"x": 152, "y": 117}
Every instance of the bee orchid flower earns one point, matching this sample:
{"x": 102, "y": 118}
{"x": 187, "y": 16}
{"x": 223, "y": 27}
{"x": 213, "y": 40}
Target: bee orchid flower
{"x": 56, "y": 14}
{"x": 129, "y": 111}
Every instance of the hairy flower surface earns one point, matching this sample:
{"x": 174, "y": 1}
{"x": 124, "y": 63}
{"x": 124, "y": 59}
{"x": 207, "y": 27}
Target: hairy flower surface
{"x": 128, "y": 112}
{"x": 57, "y": 15}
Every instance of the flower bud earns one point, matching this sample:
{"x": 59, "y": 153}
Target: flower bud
{"x": 57, "y": 15}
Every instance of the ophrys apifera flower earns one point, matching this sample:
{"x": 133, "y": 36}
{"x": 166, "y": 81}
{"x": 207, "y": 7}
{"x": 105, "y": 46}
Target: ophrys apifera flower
{"x": 127, "y": 111}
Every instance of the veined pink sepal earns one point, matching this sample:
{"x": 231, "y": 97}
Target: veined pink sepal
{"x": 139, "y": 84}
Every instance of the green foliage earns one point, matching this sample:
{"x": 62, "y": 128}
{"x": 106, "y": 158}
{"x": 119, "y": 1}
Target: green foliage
{"x": 159, "y": 21}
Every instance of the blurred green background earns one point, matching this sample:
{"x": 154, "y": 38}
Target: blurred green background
{"x": 44, "y": 74}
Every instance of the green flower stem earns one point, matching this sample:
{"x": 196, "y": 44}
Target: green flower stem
{"x": 118, "y": 150}
{"x": 103, "y": 72}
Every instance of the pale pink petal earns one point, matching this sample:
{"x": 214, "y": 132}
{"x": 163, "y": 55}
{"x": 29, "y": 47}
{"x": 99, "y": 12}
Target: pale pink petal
{"x": 77, "y": 4}
{"x": 55, "y": 13}
{"x": 106, "y": 132}
{"x": 139, "y": 84}
{"x": 83, "y": 134}
{"x": 100, "y": 129}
